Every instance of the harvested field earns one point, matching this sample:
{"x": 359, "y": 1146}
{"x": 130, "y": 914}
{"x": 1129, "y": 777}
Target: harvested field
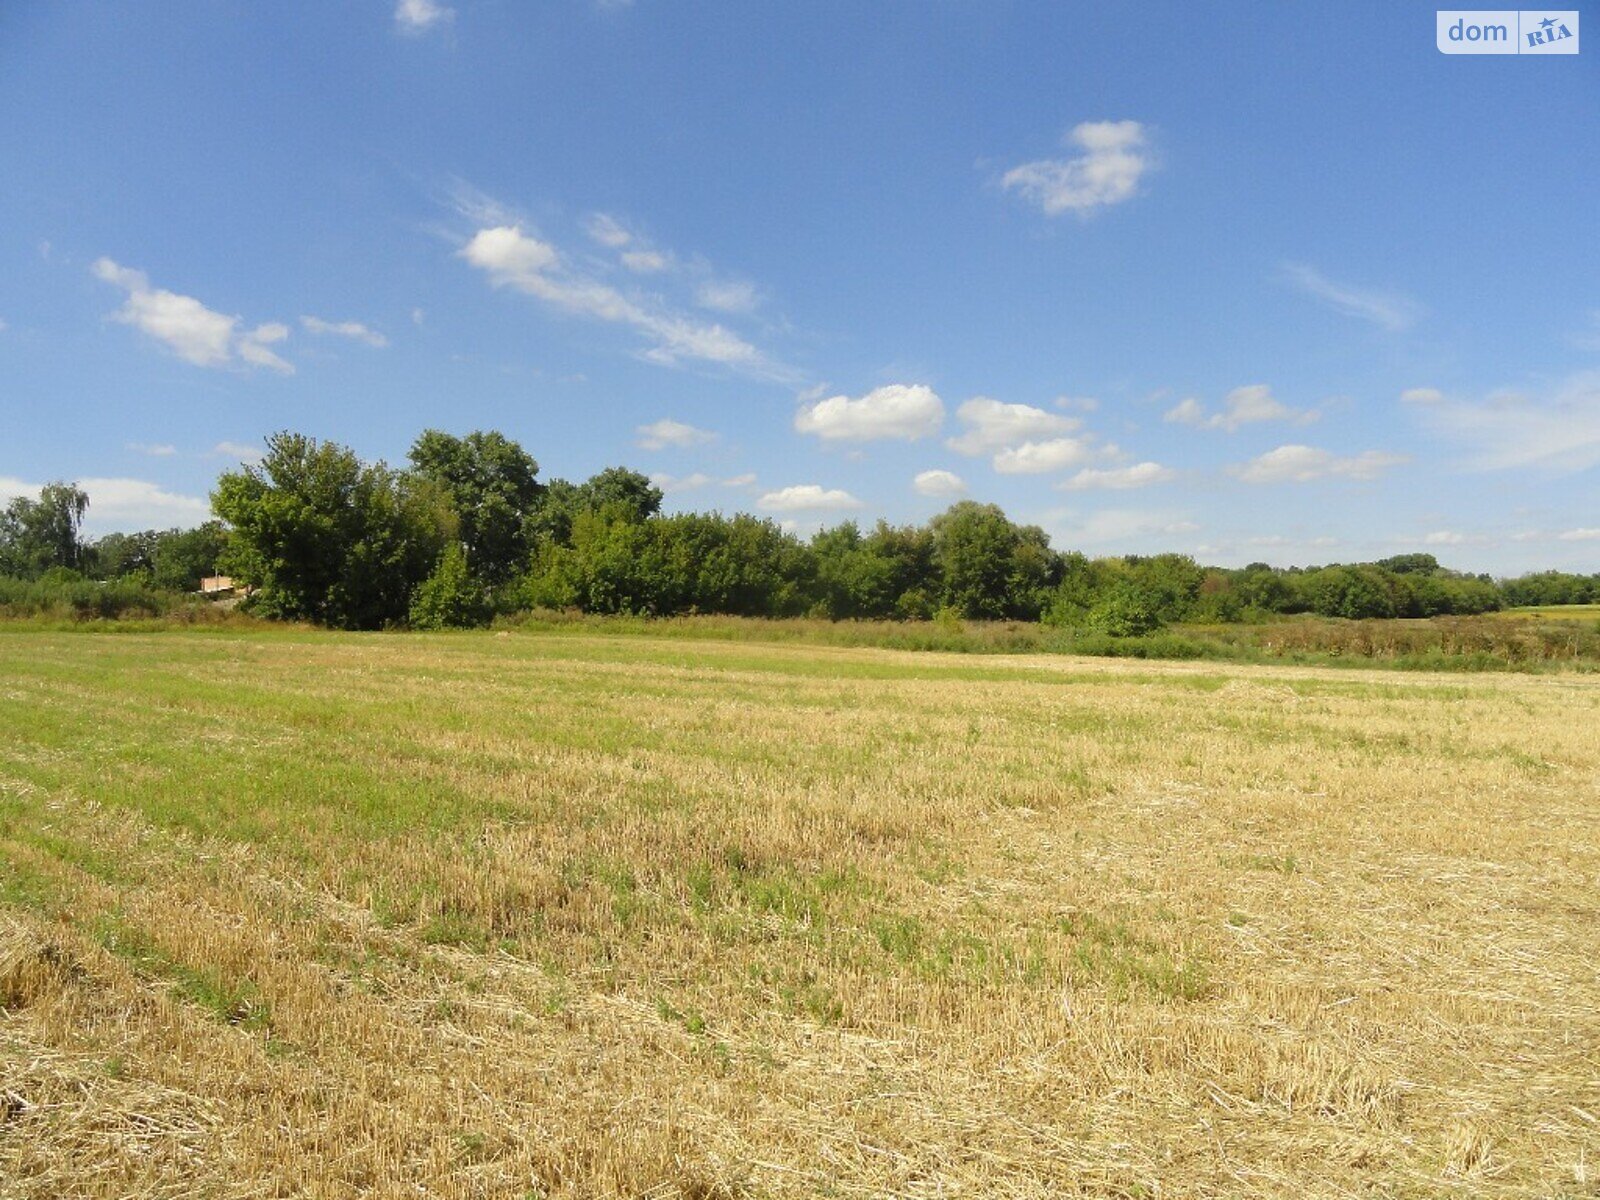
{"x": 286, "y": 913}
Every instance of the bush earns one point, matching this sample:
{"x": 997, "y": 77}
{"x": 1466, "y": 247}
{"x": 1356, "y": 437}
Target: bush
{"x": 64, "y": 595}
{"x": 1124, "y": 612}
{"x": 449, "y": 598}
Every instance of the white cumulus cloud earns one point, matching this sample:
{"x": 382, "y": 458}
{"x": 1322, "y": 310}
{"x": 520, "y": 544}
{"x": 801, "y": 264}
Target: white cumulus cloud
{"x": 187, "y": 327}
{"x": 1242, "y": 406}
{"x": 1145, "y": 474}
{"x": 1036, "y": 458}
{"x": 243, "y": 451}
{"x": 991, "y": 425}
{"x": 898, "y": 410}
{"x": 124, "y": 504}
{"x": 137, "y": 502}
{"x": 808, "y": 497}
{"x": 1303, "y": 464}
{"x": 658, "y": 435}
{"x": 939, "y": 484}
{"x": 1111, "y": 158}
{"x": 252, "y": 346}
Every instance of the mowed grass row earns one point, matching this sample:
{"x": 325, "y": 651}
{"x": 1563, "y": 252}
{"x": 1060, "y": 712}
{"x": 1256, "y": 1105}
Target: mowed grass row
{"x": 292, "y": 913}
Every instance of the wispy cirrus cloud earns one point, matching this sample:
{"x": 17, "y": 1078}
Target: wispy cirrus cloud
{"x": 1554, "y": 428}
{"x": 1110, "y": 159}
{"x": 512, "y": 258}
{"x": 1119, "y": 527}
{"x": 637, "y": 254}
{"x": 1391, "y": 310}
{"x": 728, "y": 295}
{"x": 1421, "y": 395}
{"x": 681, "y": 483}
{"x": 607, "y": 231}
{"x": 1138, "y": 475}
{"x": 646, "y": 262}
{"x": 243, "y": 451}
{"x": 1587, "y": 338}
{"x": 354, "y": 330}
{"x": 416, "y": 17}
{"x": 1304, "y": 464}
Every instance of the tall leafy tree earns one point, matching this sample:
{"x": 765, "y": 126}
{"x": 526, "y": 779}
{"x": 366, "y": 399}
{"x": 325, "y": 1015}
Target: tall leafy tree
{"x": 36, "y": 535}
{"x": 175, "y": 559}
{"x": 324, "y": 537}
{"x": 183, "y": 557}
{"x": 617, "y": 492}
{"x": 990, "y": 567}
{"x": 621, "y": 491}
{"x": 493, "y": 486}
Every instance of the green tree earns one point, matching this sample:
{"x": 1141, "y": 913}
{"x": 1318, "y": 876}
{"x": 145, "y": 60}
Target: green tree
{"x": 989, "y": 567}
{"x": 124, "y": 555}
{"x": 1409, "y": 564}
{"x": 493, "y": 487}
{"x": 1353, "y": 592}
{"x": 1169, "y": 583}
{"x": 324, "y": 537}
{"x": 973, "y": 545}
{"x": 36, "y": 535}
{"x": 174, "y": 559}
{"x": 183, "y": 557}
{"x": 626, "y": 493}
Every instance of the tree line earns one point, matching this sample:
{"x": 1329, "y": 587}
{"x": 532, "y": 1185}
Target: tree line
{"x": 467, "y": 530}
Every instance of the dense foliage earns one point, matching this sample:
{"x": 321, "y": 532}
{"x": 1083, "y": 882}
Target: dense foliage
{"x": 319, "y": 535}
{"x": 469, "y": 531}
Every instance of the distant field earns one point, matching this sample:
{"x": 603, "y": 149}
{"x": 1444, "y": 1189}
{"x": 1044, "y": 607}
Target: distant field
{"x": 561, "y": 914}
{"x": 1556, "y": 612}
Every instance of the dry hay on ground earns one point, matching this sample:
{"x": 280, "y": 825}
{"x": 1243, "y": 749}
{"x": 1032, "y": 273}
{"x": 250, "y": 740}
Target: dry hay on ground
{"x": 332, "y": 916}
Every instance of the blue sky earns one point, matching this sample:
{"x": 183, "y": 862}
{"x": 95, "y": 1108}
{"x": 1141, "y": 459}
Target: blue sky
{"x": 1275, "y": 283}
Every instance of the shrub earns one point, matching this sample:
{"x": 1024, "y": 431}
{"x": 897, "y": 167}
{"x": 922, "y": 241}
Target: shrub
{"x": 449, "y": 598}
{"x": 64, "y": 595}
{"x": 1124, "y": 612}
